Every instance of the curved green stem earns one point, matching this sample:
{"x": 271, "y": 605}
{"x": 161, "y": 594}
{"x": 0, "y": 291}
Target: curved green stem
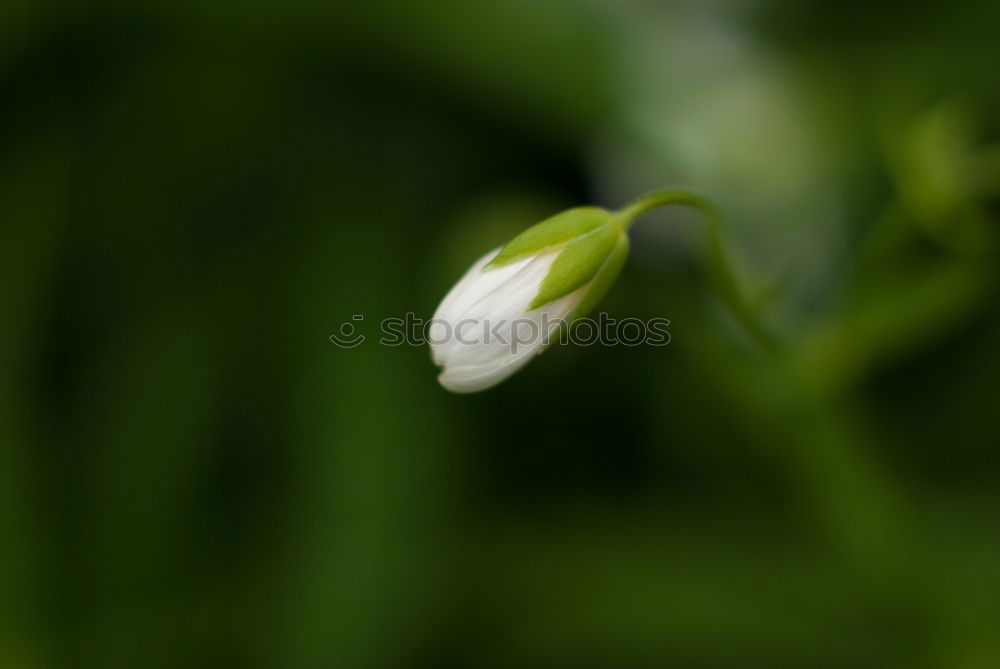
{"x": 718, "y": 264}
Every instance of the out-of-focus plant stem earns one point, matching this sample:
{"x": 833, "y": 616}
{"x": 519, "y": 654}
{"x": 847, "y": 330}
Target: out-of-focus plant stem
{"x": 717, "y": 262}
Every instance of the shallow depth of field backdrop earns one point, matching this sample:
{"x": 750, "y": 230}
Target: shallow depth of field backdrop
{"x": 194, "y": 194}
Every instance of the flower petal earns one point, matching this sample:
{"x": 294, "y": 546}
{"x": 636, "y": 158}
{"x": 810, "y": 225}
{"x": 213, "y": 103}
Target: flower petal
{"x": 494, "y": 294}
{"x": 471, "y": 368}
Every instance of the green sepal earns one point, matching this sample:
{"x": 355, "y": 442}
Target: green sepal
{"x": 599, "y": 287}
{"x": 554, "y": 231}
{"x": 604, "y": 278}
{"x": 577, "y": 264}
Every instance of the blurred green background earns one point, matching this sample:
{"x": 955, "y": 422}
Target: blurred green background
{"x": 195, "y": 194}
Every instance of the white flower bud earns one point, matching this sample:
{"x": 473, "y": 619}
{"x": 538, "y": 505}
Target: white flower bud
{"x": 483, "y": 331}
{"x": 511, "y": 303}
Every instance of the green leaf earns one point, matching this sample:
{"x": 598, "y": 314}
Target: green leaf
{"x": 579, "y": 262}
{"x": 559, "y": 229}
{"x": 605, "y": 277}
